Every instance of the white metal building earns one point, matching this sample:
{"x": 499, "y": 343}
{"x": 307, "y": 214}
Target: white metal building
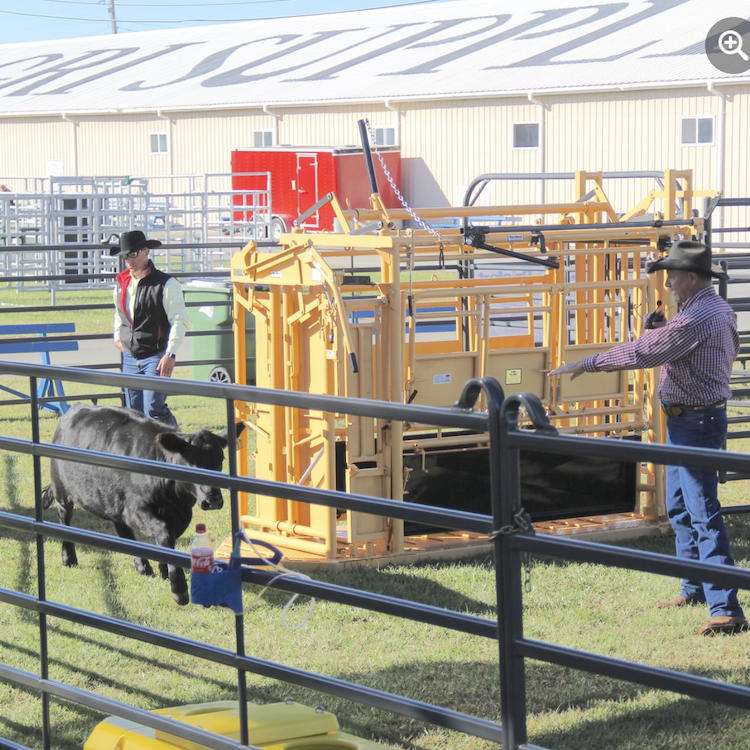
{"x": 465, "y": 88}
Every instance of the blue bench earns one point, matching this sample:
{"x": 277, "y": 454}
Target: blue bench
{"x": 46, "y": 388}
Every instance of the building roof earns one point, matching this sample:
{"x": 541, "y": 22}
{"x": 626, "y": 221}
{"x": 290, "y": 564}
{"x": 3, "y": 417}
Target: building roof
{"x": 462, "y": 49}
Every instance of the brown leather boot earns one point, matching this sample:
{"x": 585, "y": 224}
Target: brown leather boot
{"x": 723, "y": 624}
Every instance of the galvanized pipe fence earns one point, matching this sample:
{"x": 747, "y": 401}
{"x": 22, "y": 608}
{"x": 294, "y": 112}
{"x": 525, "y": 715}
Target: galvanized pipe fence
{"x": 184, "y": 209}
{"x": 83, "y": 283}
{"x": 86, "y": 266}
{"x": 513, "y": 423}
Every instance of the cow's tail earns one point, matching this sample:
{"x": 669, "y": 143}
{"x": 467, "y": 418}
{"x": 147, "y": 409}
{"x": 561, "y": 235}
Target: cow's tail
{"x": 48, "y": 497}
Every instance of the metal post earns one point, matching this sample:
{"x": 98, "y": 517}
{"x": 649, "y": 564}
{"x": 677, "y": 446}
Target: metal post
{"x": 41, "y": 576}
{"x": 112, "y": 18}
{"x": 368, "y": 156}
{"x": 505, "y": 498}
{"x": 506, "y": 503}
{"x": 239, "y": 619}
{"x": 510, "y": 521}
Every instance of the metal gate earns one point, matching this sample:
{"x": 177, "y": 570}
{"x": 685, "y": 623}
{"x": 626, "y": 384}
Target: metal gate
{"x": 507, "y": 528}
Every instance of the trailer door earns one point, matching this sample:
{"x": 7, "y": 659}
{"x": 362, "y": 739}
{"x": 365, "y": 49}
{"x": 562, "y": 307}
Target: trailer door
{"x": 307, "y": 187}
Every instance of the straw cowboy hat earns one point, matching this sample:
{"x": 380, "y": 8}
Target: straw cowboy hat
{"x": 132, "y": 241}
{"x": 689, "y": 256}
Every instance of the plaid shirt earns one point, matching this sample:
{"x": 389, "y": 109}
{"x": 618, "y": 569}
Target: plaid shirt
{"x": 697, "y": 349}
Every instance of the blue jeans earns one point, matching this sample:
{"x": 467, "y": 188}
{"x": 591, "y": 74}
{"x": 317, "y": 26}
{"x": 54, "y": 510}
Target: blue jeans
{"x": 694, "y": 510}
{"x": 151, "y": 403}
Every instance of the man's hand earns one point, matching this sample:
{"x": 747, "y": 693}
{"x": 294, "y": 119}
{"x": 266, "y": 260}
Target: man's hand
{"x": 575, "y": 368}
{"x": 165, "y": 366}
{"x": 655, "y": 319}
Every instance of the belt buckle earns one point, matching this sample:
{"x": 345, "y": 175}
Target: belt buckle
{"x": 673, "y": 411}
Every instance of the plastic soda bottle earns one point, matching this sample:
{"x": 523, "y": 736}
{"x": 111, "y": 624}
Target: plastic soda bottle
{"x": 201, "y": 551}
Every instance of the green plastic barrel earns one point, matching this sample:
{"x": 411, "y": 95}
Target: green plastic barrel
{"x": 213, "y": 312}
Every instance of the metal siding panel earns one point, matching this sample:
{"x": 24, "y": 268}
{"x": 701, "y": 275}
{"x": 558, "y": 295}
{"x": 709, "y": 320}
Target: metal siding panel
{"x": 619, "y": 131}
{"x": 108, "y": 146}
{"x": 334, "y": 126}
{"x": 29, "y": 143}
{"x": 736, "y": 181}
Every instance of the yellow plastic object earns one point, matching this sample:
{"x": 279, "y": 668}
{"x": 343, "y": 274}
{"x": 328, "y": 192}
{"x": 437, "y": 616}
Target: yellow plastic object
{"x": 272, "y": 722}
{"x": 334, "y": 741}
{"x": 274, "y": 726}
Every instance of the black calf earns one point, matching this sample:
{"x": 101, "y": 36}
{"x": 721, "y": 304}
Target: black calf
{"x": 160, "y": 509}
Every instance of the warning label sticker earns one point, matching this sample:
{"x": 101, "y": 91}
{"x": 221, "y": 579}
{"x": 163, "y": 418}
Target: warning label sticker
{"x": 513, "y": 377}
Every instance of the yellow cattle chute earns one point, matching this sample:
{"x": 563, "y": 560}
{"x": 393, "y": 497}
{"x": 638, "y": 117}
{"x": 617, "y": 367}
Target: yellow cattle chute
{"x": 411, "y": 314}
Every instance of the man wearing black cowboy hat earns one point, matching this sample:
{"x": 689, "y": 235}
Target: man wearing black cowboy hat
{"x": 150, "y": 322}
{"x": 696, "y": 349}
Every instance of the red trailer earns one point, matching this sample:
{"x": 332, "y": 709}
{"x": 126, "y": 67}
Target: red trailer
{"x": 301, "y": 177}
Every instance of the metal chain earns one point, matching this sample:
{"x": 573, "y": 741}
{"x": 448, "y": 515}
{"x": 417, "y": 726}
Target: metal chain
{"x": 422, "y": 223}
{"x": 522, "y": 523}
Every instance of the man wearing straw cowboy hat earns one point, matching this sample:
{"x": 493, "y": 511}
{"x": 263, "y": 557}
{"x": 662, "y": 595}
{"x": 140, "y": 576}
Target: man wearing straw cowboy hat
{"x": 150, "y": 322}
{"x": 696, "y": 350}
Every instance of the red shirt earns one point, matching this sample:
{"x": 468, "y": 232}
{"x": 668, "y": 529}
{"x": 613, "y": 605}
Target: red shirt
{"x": 697, "y": 349}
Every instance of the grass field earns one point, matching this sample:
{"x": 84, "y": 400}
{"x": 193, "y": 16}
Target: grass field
{"x": 12, "y": 304}
{"x": 602, "y": 610}
{"x": 591, "y": 607}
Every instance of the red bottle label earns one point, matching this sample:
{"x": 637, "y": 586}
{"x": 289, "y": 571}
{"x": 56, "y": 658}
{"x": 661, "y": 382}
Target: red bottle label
{"x": 202, "y": 560}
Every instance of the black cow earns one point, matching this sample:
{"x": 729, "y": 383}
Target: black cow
{"x": 159, "y": 508}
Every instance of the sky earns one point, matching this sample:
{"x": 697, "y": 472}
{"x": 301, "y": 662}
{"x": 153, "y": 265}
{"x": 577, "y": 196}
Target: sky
{"x": 38, "y": 20}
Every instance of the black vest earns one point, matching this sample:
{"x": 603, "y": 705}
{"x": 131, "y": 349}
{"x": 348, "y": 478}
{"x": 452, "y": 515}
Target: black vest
{"x": 148, "y": 332}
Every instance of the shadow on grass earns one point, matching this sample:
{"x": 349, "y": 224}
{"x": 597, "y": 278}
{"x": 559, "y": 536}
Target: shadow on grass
{"x": 109, "y": 585}
{"x": 474, "y": 689}
{"x": 25, "y": 579}
{"x": 622, "y": 715}
{"x": 66, "y": 729}
{"x": 223, "y": 688}
{"x": 684, "y": 723}
{"x": 12, "y": 481}
{"x": 71, "y": 723}
{"x": 407, "y": 583}
{"x": 29, "y": 733}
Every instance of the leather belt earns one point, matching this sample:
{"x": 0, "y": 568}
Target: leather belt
{"x": 677, "y": 410}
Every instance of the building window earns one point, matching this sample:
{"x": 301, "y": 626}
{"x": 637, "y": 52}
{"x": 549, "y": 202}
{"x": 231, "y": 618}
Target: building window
{"x": 262, "y": 138}
{"x": 696, "y": 131}
{"x": 526, "y": 135}
{"x": 158, "y": 143}
{"x": 385, "y": 136}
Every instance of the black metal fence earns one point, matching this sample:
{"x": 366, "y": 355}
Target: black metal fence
{"x": 215, "y": 352}
{"x": 508, "y": 528}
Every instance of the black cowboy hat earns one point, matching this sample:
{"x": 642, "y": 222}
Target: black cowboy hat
{"x": 686, "y": 255}
{"x": 131, "y": 241}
